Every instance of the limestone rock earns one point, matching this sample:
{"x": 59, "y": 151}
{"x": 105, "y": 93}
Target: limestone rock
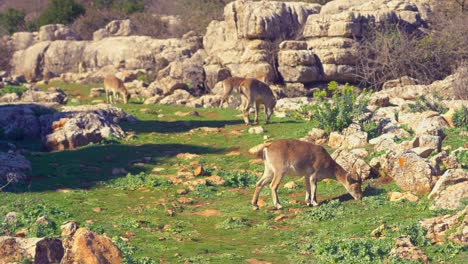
{"x": 317, "y": 136}
{"x": 256, "y": 130}
{"x": 397, "y": 196}
{"x": 115, "y": 28}
{"x": 452, "y": 197}
{"x": 56, "y": 32}
{"x": 14, "y": 168}
{"x": 450, "y": 177}
{"x": 40, "y": 250}
{"x": 81, "y": 125}
{"x": 85, "y": 246}
{"x": 352, "y": 163}
{"x": 21, "y": 120}
{"x": 404, "y": 249}
{"x": 452, "y": 227}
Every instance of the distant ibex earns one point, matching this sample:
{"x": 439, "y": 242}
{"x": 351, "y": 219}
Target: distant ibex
{"x": 299, "y": 158}
{"x": 253, "y": 93}
{"x": 113, "y": 87}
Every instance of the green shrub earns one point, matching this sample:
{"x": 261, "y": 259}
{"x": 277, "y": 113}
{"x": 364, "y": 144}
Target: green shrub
{"x": 460, "y": 117}
{"x": 345, "y": 107}
{"x": 133, "y": 182}
{"x": 326, "y": 211}
{"x": 422, "y": 104}
{"x": 236, "y": 179}
{"x": 233, "y": 223}
{"x": 19, "y": 90}
{"x": 61, "y": 12}
{"x": 12, "y": 21}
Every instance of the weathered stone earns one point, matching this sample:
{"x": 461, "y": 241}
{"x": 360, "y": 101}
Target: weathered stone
{"x": 412, "y": 173}
{"x": 40, "y": 250}
{"x": 397, "y": 196}
{"x": 290, "y": 185}
{"x": 404, "y": 249}
{"x": 256, "y": 130}
{"x": 85, "y": 246}
{"x": 115, "y": 28}
{"x": 56, "y": 32}
{"x": 402, "y": 81}
{"x": 352, "y": 163}
{"x": 81, "y": 125}
{"x": 317, "y": 136}
{"x": 14, "y": 168}
{"x": 452, "y": 227}
{"x": 68, "y": 228}
{"x": 452, "y": 197}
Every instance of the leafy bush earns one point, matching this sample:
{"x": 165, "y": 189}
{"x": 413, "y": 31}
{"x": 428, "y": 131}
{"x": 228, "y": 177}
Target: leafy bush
{"x": 233, "y": 223}
{"x": 236, "y": 179}
{"x": 326, "y": 211}
{"x": 422, "y": 104}
{"x": 133, "y": 182}
{"x": 11, "y": 21}
{"x": 460, "y": 117}
{"x": 19, "y": 90}
{"x": 389, "y": 52}
{"x": 345, "y": 107}
{"x": 61, "y": 12}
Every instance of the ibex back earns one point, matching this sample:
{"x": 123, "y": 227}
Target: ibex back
{"x": 113, "y": 87}
{"x": 299, "y": 158}
{"x": 253, "y": 93}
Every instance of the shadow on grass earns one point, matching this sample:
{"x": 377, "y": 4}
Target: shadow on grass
{"x": 148, "y": 126}
{"x": 85, "y": 167}
{"x": 368, "y": 191}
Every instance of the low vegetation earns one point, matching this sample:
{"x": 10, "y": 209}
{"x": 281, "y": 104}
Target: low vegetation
{"x": 151, "y": 218}
{"x": 345, "y": 107}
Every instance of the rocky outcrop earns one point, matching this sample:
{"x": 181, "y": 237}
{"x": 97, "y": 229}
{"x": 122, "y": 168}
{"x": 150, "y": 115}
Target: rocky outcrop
{"x": 14, "y": 168}
{"x": 245, "y": 41}
{"x": 453, "y": 227}
{"x": 91, "y": 57}
{"x": 85, "y": 246}
{"x": 40, "y": 250}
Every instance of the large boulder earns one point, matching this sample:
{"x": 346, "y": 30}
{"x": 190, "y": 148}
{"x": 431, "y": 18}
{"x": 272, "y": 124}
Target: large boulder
{"x": 410, "y": 172}
{"x": 297, "y": 64}
{"x": 79, "y": 126}
{"x": 14, "y": 168}
{"x": 39, "y": 250}
{"x": 85, "y": 246}
{"x": 21, "y": 120}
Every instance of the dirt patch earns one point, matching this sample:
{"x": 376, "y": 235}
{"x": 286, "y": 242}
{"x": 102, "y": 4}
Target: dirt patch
{"x": 208, "y": 213}
{"x": 256, "y": 261}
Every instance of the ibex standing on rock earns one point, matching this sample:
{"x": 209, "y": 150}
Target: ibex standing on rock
{"x": 113, "y": 87}
{"x": 299, "y": 158}
{"x": 253, "y": 93}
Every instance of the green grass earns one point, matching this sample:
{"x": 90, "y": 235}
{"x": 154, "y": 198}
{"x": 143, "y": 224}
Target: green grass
{"x": 217, "y": 224}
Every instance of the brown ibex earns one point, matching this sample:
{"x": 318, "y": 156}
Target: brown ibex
{"x": 113, "y": 87}
{"x": 299, "y": 158}
{"x": 253, "y": 93}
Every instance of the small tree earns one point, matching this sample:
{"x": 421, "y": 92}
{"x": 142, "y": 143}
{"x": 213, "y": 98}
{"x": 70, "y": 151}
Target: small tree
{"x": 11, "y": 21}
{"x": 61, "y": 12}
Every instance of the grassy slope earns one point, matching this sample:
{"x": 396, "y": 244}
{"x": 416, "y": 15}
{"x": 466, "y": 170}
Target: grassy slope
{"x": 79, "y": 185}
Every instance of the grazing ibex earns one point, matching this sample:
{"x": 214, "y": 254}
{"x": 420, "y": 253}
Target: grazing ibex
{"x": 299, "y": 158}
{"x": 113, "y": 87}
{"x": 253, "y": 93}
